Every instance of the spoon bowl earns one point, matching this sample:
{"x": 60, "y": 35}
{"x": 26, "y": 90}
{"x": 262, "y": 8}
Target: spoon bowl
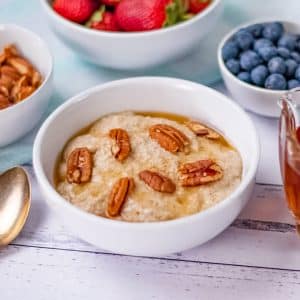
{"x": 15, "y": 198}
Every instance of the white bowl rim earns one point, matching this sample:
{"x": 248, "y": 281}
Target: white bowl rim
{"x": 83, "y": 29}
{"x": 55, "y": 196}
{"x": 45, "y": 80}
{"x": 230, "y": 34}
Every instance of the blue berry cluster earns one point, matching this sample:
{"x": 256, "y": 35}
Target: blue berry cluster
{"x": 264, "y": 55}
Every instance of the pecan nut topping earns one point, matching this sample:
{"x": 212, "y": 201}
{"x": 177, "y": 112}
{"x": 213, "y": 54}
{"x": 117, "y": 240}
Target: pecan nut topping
{"x": 79, "y": 166}
{"x": 121, "y": 148}
{"x": 157, "y": 181}
{"x": 18, "y": 77}
{"x": 169, "y": 138}
{"x": 201, "y": 130}
{"x": 118, "y": 196}
{"x": 4, "y": 102}
{"x": 200, "y": 172}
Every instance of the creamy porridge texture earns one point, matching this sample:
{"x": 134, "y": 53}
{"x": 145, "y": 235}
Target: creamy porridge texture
{"x": 142, "y": 202}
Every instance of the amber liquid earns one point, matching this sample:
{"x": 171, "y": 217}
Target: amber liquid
{"x": 290, "y": 165}
{"x": 292, "y": 188}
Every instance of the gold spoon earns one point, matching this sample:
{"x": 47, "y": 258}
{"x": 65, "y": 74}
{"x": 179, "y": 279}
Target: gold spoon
{"x": 15, "y": 201}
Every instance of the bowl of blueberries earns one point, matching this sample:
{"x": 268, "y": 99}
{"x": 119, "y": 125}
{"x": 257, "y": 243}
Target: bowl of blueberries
{"x": 259, "y": 61}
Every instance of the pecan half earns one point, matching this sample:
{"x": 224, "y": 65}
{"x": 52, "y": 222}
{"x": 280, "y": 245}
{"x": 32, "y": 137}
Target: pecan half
{"x": 10, "y": 72}
{"x": 201, "y": 130}
{"x": 169, "y": 138}
{"x": 4, "y": 102}
{"x": 157, "y": 181}
{"x": 79, "y": 166}
{"x": 21, "y": 65}
{"x": 121, "y": 147}
{"x": 118, "y": 196}
{"x": 10, "y": 51}
{"x": 200, "y": 172}
{"x": 21, "y": 89}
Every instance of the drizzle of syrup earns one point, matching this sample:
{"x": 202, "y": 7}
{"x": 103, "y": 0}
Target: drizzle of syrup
{"x": 298, "y": 134}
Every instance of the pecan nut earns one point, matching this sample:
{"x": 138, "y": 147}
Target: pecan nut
{"x": 121, "y": 147}
{"x": 157, "y": 181}
{"x": 21, "y": 65}
{"x": 169, "y": 138}
{"x": 79, "y": 166}
{"x": 118, "y": 196}
{"x": 18, "y": 77}
{"x": 201, "y": 130}
{"x": 4, "y": 102}
{"x": 199, "y": 172}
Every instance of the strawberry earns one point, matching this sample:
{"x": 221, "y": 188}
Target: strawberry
{"x": 110, "y": 2}
{"x": 103, "y": 20}
{"x": 198, "y": 5}
{"x": 142, "y": 15}
{"x": 76, "y": 10}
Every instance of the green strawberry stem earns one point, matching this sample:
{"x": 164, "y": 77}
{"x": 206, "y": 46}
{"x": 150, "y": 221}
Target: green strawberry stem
{"x": 97, "y": 16}
{"x": 175, "y": 12}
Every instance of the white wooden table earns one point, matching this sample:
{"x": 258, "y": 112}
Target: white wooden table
{"x": 257, "y": 257}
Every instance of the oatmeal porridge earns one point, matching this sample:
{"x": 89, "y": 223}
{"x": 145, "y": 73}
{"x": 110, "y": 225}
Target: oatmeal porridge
{"x": 143, "y": 167}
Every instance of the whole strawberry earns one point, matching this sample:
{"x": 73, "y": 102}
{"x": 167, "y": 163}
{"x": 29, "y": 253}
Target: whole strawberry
{"x": 76, "y": 10}
{"x": 142, "y": 15}
{"x": 110, "y": 2}
{"x": 198, "y": 5}
{"x": 103, "y": 20}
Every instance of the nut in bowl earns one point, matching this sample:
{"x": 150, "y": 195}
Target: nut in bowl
{"x": 132, "y": 182}
{"x": 142, "y": 47}
{"x": 258, "y": 61}
{"x": 25, "y": 81}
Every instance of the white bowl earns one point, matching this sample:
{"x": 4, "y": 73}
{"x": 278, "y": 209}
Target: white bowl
{"x": 20, "y": 118}
{"x": 147, "y": 94}
{"x": 123, "y": 50}
{"x": 256, "y": 99}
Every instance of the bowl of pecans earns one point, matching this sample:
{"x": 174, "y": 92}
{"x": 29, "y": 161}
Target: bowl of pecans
{"x": 25, "y": 81}
{"x": 128, "y": 171}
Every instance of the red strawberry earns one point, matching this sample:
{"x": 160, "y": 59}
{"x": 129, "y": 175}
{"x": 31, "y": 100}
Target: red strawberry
{"x": 102, "y": 20}
{"x": 198, "y": 5}
{"x": 141, "y": 15}
{"x": 110, "y": 2}
{"x": 76, "y": 10}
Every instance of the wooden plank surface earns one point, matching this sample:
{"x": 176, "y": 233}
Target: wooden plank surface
{"x": 65, "y": 274}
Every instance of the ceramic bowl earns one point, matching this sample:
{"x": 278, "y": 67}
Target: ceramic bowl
{"x": 20, "y": 118}
{"x": 138, "y": 50}
{"x": 147, "y": 94}
{"x": 256, "y": 99}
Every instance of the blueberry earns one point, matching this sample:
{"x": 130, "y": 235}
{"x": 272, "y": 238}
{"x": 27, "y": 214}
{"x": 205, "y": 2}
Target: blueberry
{"x": 283, "y": 52}
{"x": 297, "y": 73}
{"x": 288, "y": 41}
{"x": 291, "y": 67}
{"x": 230, "y": 50}
{"x": 275, "y": 82}
{"x": 259, "y": 75}
{"x": 249, "y": 60}
{"x": 244, "y": 39}
{"x": 262, "y": 43}
{"x": 267, "y": 52}
{"x": 245, "y": 76}
{"x": 298, "y": 45}
{"x": 255, "y": 30}
{"x": 296, "y": 56}
{"x": 273, "y": 31}
{"x": 233, "y": 66}
{"x": 276, "y": 65}
{"x": 293, "y": 83}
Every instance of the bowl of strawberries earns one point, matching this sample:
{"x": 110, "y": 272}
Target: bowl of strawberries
{"x": 132, "y": 34}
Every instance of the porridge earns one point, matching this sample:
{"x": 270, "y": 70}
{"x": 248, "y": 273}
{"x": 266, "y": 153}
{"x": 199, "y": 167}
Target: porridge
{"x": 143, "y": 167}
